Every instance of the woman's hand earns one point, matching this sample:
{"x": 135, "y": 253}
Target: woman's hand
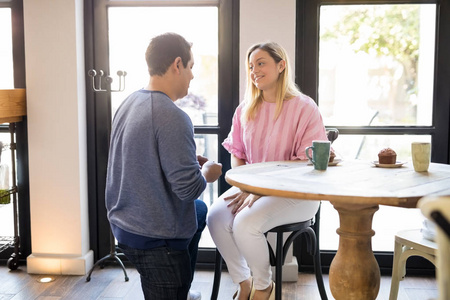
{"x": 241, "y": 200}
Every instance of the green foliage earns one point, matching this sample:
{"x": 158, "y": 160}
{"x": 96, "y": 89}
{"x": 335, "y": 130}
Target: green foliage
{"x": 387, "y": 30}
{"x": 382, "y": 30}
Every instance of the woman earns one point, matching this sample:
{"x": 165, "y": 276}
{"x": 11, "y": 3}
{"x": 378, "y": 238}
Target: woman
{"x": 274, "y": 122}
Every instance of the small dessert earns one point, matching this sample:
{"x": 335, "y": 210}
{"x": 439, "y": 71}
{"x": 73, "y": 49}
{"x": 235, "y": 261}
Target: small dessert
{"x": 332, "y": 156}
{"x": 387, "y": 156}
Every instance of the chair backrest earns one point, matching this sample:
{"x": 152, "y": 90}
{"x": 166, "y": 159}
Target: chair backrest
{"x": 332, "y": 134}
{"x": 437, "y": 209}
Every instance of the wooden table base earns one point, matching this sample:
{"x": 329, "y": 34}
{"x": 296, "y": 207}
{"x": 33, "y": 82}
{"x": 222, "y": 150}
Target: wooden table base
{"x": 354, "y": 272}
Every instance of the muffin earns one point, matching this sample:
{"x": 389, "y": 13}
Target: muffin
{"x": 387, "y": 156}
{"x": 332, "y": 156}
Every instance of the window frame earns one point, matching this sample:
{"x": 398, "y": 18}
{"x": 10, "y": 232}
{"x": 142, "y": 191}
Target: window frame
{"x": 307, "y": 56}
{"x": 98, "y": 104}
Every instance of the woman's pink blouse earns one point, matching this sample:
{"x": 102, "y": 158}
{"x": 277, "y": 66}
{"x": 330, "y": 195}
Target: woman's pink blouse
{"x": 265, "y": 139}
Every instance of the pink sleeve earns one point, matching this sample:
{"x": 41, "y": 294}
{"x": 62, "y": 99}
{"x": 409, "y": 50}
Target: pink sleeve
{"x": 233, "y": 143}
{"x": 315, "y": 130}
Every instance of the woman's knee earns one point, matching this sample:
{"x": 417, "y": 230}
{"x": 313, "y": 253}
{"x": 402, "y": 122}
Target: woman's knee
{"x": 216, "y": 215}
{"x": 246, "y": 225}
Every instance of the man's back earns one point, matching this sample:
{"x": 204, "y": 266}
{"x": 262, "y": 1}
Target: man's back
{"x": 153, "y": 176}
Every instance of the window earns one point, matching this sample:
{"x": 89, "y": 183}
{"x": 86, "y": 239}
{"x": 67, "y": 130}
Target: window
{"x": 376, "y": 68}
{"x": 127, "y": 53}
{"x": 377, "y": 73}
{"x": 125, "y": 29}
{"x": 376, "y": 64}
{"x": 6, "y": 60}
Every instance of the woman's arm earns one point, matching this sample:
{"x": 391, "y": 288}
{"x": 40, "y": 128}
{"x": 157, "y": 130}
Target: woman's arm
{"x": 236, "y": 162}
{"x": 241, "y": 199}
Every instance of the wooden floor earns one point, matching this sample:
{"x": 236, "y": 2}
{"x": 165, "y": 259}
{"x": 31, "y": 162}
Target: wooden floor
{"x": 109, "y": 284}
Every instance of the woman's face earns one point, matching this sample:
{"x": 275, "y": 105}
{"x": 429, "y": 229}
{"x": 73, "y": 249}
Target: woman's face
{"x": 264, "y": 71}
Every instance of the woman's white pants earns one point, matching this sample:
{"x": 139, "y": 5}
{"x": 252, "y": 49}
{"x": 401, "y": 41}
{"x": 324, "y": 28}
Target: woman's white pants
{"x": 240, "y": 238}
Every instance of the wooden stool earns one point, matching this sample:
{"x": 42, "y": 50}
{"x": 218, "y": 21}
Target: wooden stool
{"x": 409, "y": 243}
{"x": 437, "y": 209}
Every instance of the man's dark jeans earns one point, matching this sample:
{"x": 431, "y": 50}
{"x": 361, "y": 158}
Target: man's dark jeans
{"x": 167, "y": 273}
{"x": 202, "y": 210}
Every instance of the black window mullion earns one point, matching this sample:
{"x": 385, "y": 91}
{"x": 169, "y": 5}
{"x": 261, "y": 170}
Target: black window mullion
{"x": 441, "y": 105}
{"x": 307, "y": 47}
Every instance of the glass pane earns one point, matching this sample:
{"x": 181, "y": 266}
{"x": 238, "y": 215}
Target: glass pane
{"x": 207, "y": 146}
{"x": 6, "y": 60}
{"x": 6, "y": 82}
{"x": 6, "y": 209}
{"x": 377, "y": 60}
{"x": 130, "y": 31}
{"x": 366, "y": 148}
{"x": 383, "y": 240}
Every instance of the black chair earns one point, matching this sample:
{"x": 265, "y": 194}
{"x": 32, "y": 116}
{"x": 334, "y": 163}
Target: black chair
{"x": 312, "y": 244}
{"x": 277, "y": 259}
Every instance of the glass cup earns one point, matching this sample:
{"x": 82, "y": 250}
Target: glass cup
{"x": 421, "y": 155}
{"x": 320, "y": 154}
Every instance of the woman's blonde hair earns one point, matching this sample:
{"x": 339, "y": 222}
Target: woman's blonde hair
{"x": 286, "y": 87}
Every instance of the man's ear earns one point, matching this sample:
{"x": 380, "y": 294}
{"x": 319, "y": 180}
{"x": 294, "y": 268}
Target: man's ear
{"x": 177, "y": 64}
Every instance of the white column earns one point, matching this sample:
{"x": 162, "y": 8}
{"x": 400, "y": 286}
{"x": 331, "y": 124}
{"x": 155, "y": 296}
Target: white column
{"x": 54, "y": 56}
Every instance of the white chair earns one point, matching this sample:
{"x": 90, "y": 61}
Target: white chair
{"x": 409, "y": 243}
{"x": 437, "y": 209}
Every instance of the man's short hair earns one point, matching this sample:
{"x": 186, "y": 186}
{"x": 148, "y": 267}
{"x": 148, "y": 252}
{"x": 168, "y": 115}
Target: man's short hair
{"x": 162, "y": 51}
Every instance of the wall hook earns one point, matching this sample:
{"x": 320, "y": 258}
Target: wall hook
{"x": 108, "y": 79}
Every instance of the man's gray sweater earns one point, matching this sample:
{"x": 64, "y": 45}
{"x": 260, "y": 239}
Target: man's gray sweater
{"x": 153, "y": 174}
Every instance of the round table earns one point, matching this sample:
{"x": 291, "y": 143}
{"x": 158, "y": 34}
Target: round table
{"x": 355, "y": 189}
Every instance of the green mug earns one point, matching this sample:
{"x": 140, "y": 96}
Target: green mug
{"x": 320, "y": 154}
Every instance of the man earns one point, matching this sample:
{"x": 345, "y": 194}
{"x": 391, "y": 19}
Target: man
{"x": 154, "y": 176}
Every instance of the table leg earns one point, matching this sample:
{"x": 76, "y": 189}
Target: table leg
{"x": 354, "y": 272}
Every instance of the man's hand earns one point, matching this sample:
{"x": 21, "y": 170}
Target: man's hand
{"x": 211, "y": 170}
{"x": 201, "y": 160}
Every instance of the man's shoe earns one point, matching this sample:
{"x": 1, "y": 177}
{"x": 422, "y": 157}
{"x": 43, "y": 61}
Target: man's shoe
{"x": 194, "y": 295}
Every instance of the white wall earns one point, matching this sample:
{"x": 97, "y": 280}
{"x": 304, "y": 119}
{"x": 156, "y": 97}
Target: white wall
{"x": 54, "y": 57}
{"x": 263, "y": 21}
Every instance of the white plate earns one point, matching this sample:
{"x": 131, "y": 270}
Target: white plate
{"x": 330, "y": 164}
{"x": 397, "y": 164}
{"x": 334, "y": 162}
